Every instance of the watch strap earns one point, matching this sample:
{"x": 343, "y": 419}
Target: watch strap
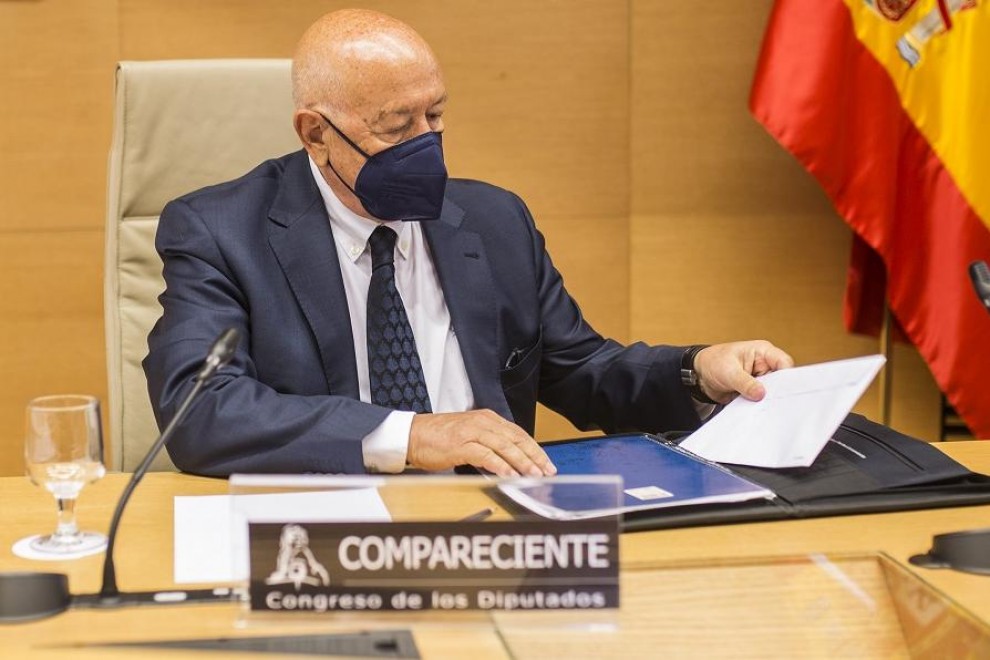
{"x": 689, "y": 377}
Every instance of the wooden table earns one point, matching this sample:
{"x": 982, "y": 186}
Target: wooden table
{"x": 669, "y": 579}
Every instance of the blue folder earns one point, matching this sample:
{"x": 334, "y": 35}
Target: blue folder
{"x": 655, "y": 475}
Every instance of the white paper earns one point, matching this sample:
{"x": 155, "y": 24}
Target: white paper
{"x": 211, "y": 530}
{"x": 802, "y": 408}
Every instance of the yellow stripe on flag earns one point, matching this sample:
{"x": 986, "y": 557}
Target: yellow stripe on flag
{"x": 946, "y": 92}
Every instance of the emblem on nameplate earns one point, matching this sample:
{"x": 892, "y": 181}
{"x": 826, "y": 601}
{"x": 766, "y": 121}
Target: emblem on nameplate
{"x": 295, "y": 563}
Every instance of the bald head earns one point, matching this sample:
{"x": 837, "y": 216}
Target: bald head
{"x": 362, "y": 82}
{"x": 346, "y": 53}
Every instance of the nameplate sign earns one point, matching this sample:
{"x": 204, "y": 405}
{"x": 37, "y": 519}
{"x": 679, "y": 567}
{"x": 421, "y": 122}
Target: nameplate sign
{"x": 416, "y": 566}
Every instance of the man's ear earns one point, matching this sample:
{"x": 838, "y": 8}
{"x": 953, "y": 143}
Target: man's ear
{"x": 310, "y": 129}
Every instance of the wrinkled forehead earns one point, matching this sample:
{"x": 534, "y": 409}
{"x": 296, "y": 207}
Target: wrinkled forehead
{"x": 374, "y": 88}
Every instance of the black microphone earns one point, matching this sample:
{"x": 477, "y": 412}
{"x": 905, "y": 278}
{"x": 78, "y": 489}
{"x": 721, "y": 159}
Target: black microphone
{"x": 221, "y": 352}
{"x": 980, "y": 274}
{"x": 29, "y": 596}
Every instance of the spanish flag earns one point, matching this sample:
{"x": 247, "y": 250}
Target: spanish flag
{"x": 887, "y": 104}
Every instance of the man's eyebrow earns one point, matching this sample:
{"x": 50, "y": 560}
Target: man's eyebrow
{"x": 406, "y": 110}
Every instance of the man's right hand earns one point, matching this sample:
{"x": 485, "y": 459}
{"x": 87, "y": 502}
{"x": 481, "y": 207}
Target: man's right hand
{"x": 442, "y": 441}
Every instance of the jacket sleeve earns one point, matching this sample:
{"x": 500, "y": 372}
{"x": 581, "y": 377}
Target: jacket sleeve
{"x": 238, "y": 424}
{"x": 598, "y": 383}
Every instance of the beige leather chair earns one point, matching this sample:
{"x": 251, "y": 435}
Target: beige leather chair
{"x": 178, "y": 126}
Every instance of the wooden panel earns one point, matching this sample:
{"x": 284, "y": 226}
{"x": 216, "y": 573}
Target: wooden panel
{"x": 183, "y": 29}
{"x": 56, "y": 72}
{"x": 591, "y": 254}
{"x": 695, "y": 145}
{"x": 51, "y": 328}
{"x": 711, "y": 278}
{"x": 916, "y": 402}
{"x": 539, "y": 99}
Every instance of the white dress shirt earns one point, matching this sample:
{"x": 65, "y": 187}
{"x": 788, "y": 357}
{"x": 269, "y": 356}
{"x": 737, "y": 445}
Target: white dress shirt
{"x": 447, "y": 382}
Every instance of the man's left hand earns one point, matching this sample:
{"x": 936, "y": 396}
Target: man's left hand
{"x": 725, "y": 370}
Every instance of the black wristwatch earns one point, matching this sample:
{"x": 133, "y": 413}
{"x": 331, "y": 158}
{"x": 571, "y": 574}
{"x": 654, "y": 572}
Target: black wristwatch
{"x": 689, "y": 377}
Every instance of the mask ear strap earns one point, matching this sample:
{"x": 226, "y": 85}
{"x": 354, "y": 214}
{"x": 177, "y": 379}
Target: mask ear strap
{"x": 340, "y": 178}
{"x": 341, "y": 134}
{"x": 348, "y": 141}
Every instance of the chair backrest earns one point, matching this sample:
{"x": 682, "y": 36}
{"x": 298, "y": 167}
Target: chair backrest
{"x": 178, "y": 126}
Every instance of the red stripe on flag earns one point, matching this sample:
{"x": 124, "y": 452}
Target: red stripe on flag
{"x": 825, "y": 98}
{"x": 943, "y": 9}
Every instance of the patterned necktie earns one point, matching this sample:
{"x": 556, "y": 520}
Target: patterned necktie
{"x": 393, "y": 363}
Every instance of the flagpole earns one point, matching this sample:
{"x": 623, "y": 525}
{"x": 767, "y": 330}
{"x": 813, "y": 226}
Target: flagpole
{"x": 887, "y": 375}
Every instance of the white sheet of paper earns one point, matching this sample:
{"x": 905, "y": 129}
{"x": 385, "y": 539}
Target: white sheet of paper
{"x": 211, "y": 536}
{"x": 802, "y": 408}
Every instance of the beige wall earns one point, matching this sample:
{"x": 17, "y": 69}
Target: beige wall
{"x": 672, "y": 216}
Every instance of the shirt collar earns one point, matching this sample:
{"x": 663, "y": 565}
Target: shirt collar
{"x": 351, "y": 230}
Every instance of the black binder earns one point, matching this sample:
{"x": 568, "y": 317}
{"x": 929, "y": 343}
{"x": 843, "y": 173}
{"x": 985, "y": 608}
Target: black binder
{"x": 865, "y": 468}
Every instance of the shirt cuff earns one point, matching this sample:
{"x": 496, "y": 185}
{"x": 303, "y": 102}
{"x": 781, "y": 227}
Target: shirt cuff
{"x": 704, "y": 411}
{"x": 385, "y": 448}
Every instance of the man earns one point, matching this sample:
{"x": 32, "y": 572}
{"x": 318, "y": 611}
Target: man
{"x": 391, "y": 318}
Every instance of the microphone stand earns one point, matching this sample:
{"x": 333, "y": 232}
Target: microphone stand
{"x": 109, "y": 595}
{"x": 26, "y": 596}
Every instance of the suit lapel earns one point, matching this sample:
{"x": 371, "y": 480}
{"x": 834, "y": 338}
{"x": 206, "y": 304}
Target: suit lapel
{"x": 300, "y": 235}
{"x": 469, "y": 291}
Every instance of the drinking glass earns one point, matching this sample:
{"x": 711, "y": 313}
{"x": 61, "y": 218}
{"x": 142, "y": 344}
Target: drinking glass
{"x": 63, "y": 451}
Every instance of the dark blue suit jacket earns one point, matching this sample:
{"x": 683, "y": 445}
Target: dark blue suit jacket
{"x": 257, "y": 254}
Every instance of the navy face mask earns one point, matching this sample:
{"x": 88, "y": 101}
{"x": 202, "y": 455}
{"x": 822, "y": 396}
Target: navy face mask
{"x": 403, "y": 182}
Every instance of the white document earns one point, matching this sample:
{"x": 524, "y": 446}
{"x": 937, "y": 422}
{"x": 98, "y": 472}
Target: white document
{"x": 211, "y": 538}
{"x": 802, "y": 408}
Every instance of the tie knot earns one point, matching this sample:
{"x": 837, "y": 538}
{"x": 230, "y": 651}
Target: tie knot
{"x": 382, "y": 246}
